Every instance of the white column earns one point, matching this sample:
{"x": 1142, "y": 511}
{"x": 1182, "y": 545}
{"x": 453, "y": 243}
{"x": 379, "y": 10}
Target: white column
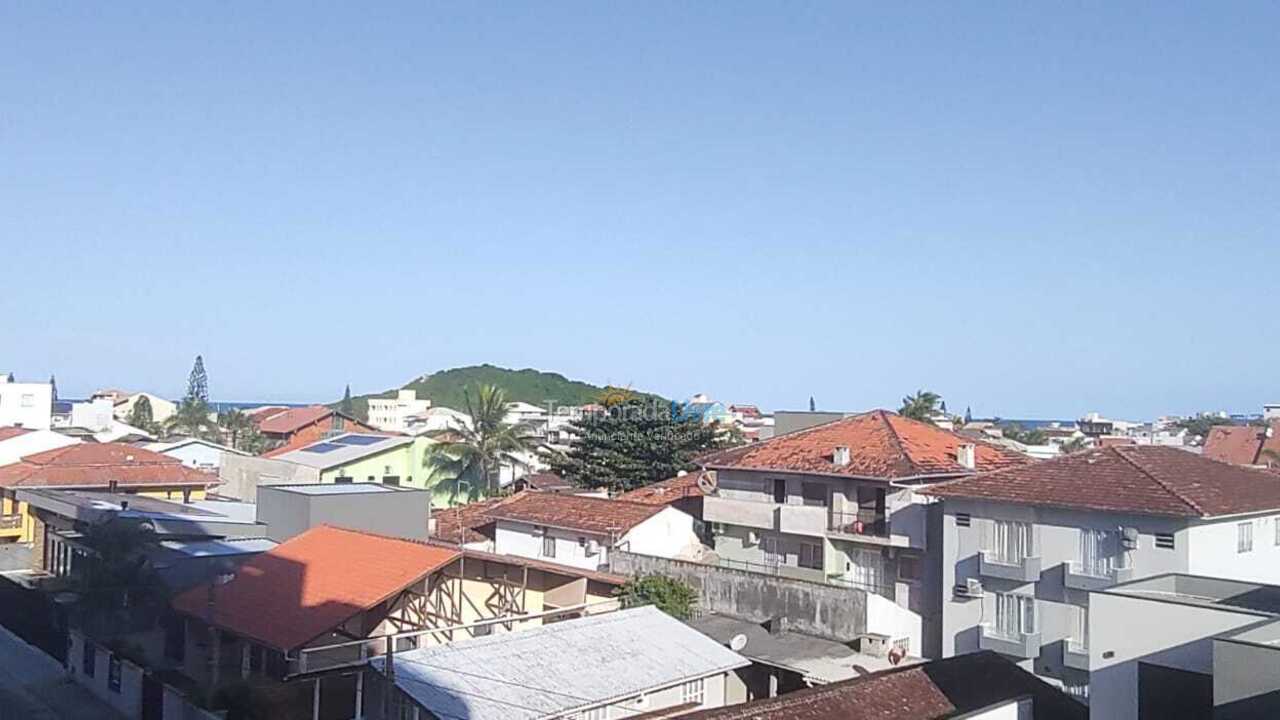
{"x": 360, "y": 695}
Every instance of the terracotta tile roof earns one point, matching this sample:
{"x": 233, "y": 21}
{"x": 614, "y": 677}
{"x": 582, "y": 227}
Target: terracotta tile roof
{"x": 97, "y": 465}
{"x": 312, "y": 583}
{"x": 1244, "y": 444}
{"x": 463, "y": 524}
{"x": 291, "y": 419}
{"x": 574, "y": 512}
{"x": 882, "y": 445}
{"x": 665, "y": 492}
{"x": 1144, "y": 479}
{"x": 956, "y": 687}
{"x": 12, "y": 432}
{"x": 545, "y": 481}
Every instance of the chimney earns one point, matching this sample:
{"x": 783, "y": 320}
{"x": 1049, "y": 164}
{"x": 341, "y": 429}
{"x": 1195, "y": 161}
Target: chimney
{"x": 841, "y": 456}
{"x": 967, "y": 455}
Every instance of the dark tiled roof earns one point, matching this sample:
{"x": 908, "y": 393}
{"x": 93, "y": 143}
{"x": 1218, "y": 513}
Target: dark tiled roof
{"x": 574, "y": 512}
{"x": 949, "y": 688}
{"x": 314, "y": 582}
{"x": 463, "y": 524}
{"x": 1143, "y": 479}
{"x": 545, "y": 481}
{"x": 98, "y": 465}
{"x": 882, "y": 444}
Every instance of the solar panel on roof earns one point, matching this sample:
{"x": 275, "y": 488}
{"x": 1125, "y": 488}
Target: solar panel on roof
{"x": 359, "y": 439}
{"x": 323, "y": 447}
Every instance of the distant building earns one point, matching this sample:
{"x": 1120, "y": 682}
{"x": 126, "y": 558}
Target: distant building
{"x": 16, "y": 443}
{"x": 25, "y": 404}
{"x": 345, "y": 458}
{"x": 1244, "y": 444}
{"x": 161, "y": 409}
{"x": 291, "y": 428}
{"x": 290, "y": 510}
{"x": 392, "y": 414}
{"x": 195, "y": 452}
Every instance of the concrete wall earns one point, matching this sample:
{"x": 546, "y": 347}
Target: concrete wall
{"x": 785, "y": 421}
{"x": 524, "y": 540}
{"x": 398, "y": 462}
{"x": 823, "y": 610}
{"x": 242, "y": 474}
{"x": 1212, "y": 550}
{"x": 1126, "y": 630}
{"x": 127, "y": 700}
{"x": 27, "y": 404}
{"x": 667, "y": 534}
{"x": 400, "y": 513}
{"x": 1246, "y": 680}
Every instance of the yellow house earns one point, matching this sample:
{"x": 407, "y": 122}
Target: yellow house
{"x": 92, "y": 466}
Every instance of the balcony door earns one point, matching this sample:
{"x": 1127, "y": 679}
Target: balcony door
{"x": 1011, "y": 542}
{"x": 779, "y": 490}
{"x": 1099, "y": 552}
{"x": 1015, "y": 614}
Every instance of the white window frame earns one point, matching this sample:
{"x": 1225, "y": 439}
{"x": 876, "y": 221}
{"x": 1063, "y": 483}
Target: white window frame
{"x": 1079, "y": 627}
{"x": 1011, "y": 542}
{"x": 548, "y": 545}
{"x": 694, "y": 691}
{"x": 1024, "y": 618}
{"x": 812, "y": 549}
{"x": 1276, "y": 523}
{"x": 1244, "y": 537}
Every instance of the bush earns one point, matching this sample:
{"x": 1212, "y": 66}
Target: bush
{"x": 669, "y": 595}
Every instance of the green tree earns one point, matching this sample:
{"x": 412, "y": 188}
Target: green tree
{"x": 1075, "y": 444}
{"x": 193, "y": 418}
{"x": 669, "y": 595}
{"x": 1200, "y": 425}
{"x": 119, "y": 576}
{"x": 1034, "y": 436}
{"x": 468, "y": 460}
{"x": 347, "y": 407}
{"x": 140, "y": 416}
{"x": 921, "y": 406}
{"x": 198, "y": 382}
{"x": 241, "y": 433}
{"x": 633, "y": 444}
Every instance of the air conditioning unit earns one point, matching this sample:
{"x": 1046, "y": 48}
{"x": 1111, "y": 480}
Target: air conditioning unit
{"x": 593, "y": 548}
{"x": 971, "y": 588}
{"x": 753, "y": 538}
{"x": 1129, "y": 538}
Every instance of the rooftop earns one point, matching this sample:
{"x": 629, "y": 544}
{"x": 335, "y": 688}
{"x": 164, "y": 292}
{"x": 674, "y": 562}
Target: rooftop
{"x": 359, "y": 488}
{"x": 1141, "y": 479}
{"x": 284, "y": 420}
{"x": 343, "y": 449}
{"x": 883, "y": 445}
{"x": 461, "y": 525}
{"x": 304, "y": 588}
{"x": 952, "y": 688}
{"x": 665, "y": 492}
{"x": 98, "y": 465}
{"x": 10, "y": 431}
{"x": 1241, "y": 444}
{"x": 543, "y": 672}
{"x": 574, "y": 512}
{"x": 1203, "y": 592}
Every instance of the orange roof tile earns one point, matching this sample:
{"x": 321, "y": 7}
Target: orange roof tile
{"x": 12, "y": 432}
{"x": 574, "y": 512}
{"x": 1236, "y": 444}
{"x": 665, "y": 492}
{"x": 289, "y": 420}
{"x": 98, "y": 465}
{"x": 312, "y": 583}
{"x": 1144, "y": 479}
{"x": 882, "y": 445}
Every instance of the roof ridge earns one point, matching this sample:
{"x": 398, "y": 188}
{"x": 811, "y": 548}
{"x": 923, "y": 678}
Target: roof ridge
{"x": 897, "y": 439}
{"x": 793, "y": 434}
{"x": 1123, "y": 454}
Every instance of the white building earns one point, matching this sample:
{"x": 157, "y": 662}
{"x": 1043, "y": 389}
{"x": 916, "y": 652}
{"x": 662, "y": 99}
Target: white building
{"x": 1023, "y": 547}
{"x": 195, "y": 452}
{"x": 436, "y": 419}
{"x": 161, "y": 409}
{"x": 27, "y": 405}
{"x": 580, "y": 531}
{"x": 392, "y": 414}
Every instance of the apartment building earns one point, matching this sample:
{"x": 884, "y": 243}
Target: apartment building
{"x": 392, "y": 414}
{"x": 1023, "y": 547}
{"x": 839, "y": 503}
{"x": 25, "y": 404}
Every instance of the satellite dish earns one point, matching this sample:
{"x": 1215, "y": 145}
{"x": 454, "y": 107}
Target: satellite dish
{"x": 737, "y": 642}
{"x": 707, "y": 484}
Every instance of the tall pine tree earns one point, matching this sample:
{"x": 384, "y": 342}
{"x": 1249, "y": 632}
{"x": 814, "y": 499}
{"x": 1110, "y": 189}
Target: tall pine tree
{"x": 53, "y": 388}
{"x": 198, "y": 382}
{"x": 347, "y": 407}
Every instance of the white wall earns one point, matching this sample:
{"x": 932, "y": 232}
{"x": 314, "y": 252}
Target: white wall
{"x": 886, "y": 617}
{"x": 96, "y": 415}
{"x": 16, "y": 448}
{"x": 525, "y": 540}
{"x": 668, "y": 534}
{"x": 1212, "y": 550}
{"x": 127, "y": 699}
{"x": 197, "y": 455}
{"x": 27, "y": 404}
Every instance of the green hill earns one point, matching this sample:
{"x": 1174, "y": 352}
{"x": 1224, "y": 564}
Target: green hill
{"x": 444, "y": 388}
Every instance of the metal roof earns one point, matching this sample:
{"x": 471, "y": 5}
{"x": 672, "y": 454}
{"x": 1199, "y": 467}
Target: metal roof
{"x": 335, "y": 453}
{"x": 559, "y": 668}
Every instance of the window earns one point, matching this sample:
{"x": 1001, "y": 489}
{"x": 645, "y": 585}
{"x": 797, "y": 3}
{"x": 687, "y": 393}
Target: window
{"x": 113, "y": 673}
{"x": 811, "y": 555}
{"x": 89, "y": 658}
{"x": 908, "y": 568}
{"x": 1015, "y": 615}
{"x": 1244, "y": 537}
{"x": 694, "y": 691}
{"x": 548, "y": 546}
{"x": 866, "y": 569}
{"x": 1011, "y": 542}
{"x": 393, "y": 480}
{"x": 779, "y": 490}
{"x": 963, "y": 519}
{"x": 482, "y": 630}
{"x": 814, "y": 494}
{"x": 1164, "y": 541}
{"x": 28, "y": 400}
{"x": 1079, "y": 627}
{"x": 343, "y": 480}
{"x": 1276, "y": 522}
{"x": 772, "y": 555}
{"x": 1099, "y": 552}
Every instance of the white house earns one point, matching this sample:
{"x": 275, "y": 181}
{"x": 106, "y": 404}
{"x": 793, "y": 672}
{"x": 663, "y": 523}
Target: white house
{"x": 580, "y": 531}
{"x": 28, "y": 405}
{"x": 435, "y": 419}
{"x": 17, "y": 443}
{"x": 195, "y": 452}
{"x": 392, "y": 414}
{"x": 1023, "y": 547}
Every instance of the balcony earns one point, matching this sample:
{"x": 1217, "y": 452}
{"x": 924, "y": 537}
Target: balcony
{"x": 1075, "y": 655}
{"x": 859, "y": 524}
{"x": 1026, "y": 569}
{"x": 1024, "y": 646}
{"x": 802, "y": 519}
{"x": 743, "y": 513}
{"x": 1094, "y": 576}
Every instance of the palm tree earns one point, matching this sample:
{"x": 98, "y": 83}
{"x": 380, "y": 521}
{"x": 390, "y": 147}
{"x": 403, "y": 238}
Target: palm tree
{"x": 240, "y": 432}
{"x": 921, "y": 406}
{"x": 193, "y": 418}
{"x": 467, "y": 460}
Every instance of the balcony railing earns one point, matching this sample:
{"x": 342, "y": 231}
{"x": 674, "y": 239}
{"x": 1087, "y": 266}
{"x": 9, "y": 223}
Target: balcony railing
{"x": 1020, "y": 645}
{"x": 1075, "y": 654}
{"x": 1096, "y": 575}
{"x": 10, "y": 522}
{"x": 997, "y": 565}
{"x": 861, "y": 522}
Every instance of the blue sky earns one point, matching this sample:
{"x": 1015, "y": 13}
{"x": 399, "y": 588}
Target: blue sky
{"x": 1033, "y": 210}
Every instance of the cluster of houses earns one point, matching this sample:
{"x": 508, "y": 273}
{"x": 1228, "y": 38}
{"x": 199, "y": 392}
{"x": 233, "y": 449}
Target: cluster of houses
{"x": 850, "y": 565}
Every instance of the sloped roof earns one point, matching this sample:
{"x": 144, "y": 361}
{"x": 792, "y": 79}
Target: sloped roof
{"x": 311, "y": 584}
{"x": 12, "y": 432}
{"x": 341, "y": 449}
{"x": 1142, "y": 479}
{"x": 951, "y": 688}
{"x": 461, "y": 525}
{"x": 289, "y": 420}
{"x": 574, "y": 512}
{"x": 99, "y": 464}
{"x": 1242, "y": 444}
{"x": 665, "y": 492}
{"x": 882, "y": 445}
{"x": 554, "y": 669}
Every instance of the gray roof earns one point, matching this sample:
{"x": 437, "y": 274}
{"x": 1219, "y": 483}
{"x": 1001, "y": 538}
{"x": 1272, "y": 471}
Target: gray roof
{"x": 1184, "y": 589}
{"x": 823, "y": 661}
{"x": 341, "y": 454}
{"x": 355, "y": 488}
{"x": 555, "y": 669}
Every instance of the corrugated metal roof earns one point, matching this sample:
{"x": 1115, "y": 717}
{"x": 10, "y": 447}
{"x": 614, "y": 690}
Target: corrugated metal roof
{"x": 554, "y": 669}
